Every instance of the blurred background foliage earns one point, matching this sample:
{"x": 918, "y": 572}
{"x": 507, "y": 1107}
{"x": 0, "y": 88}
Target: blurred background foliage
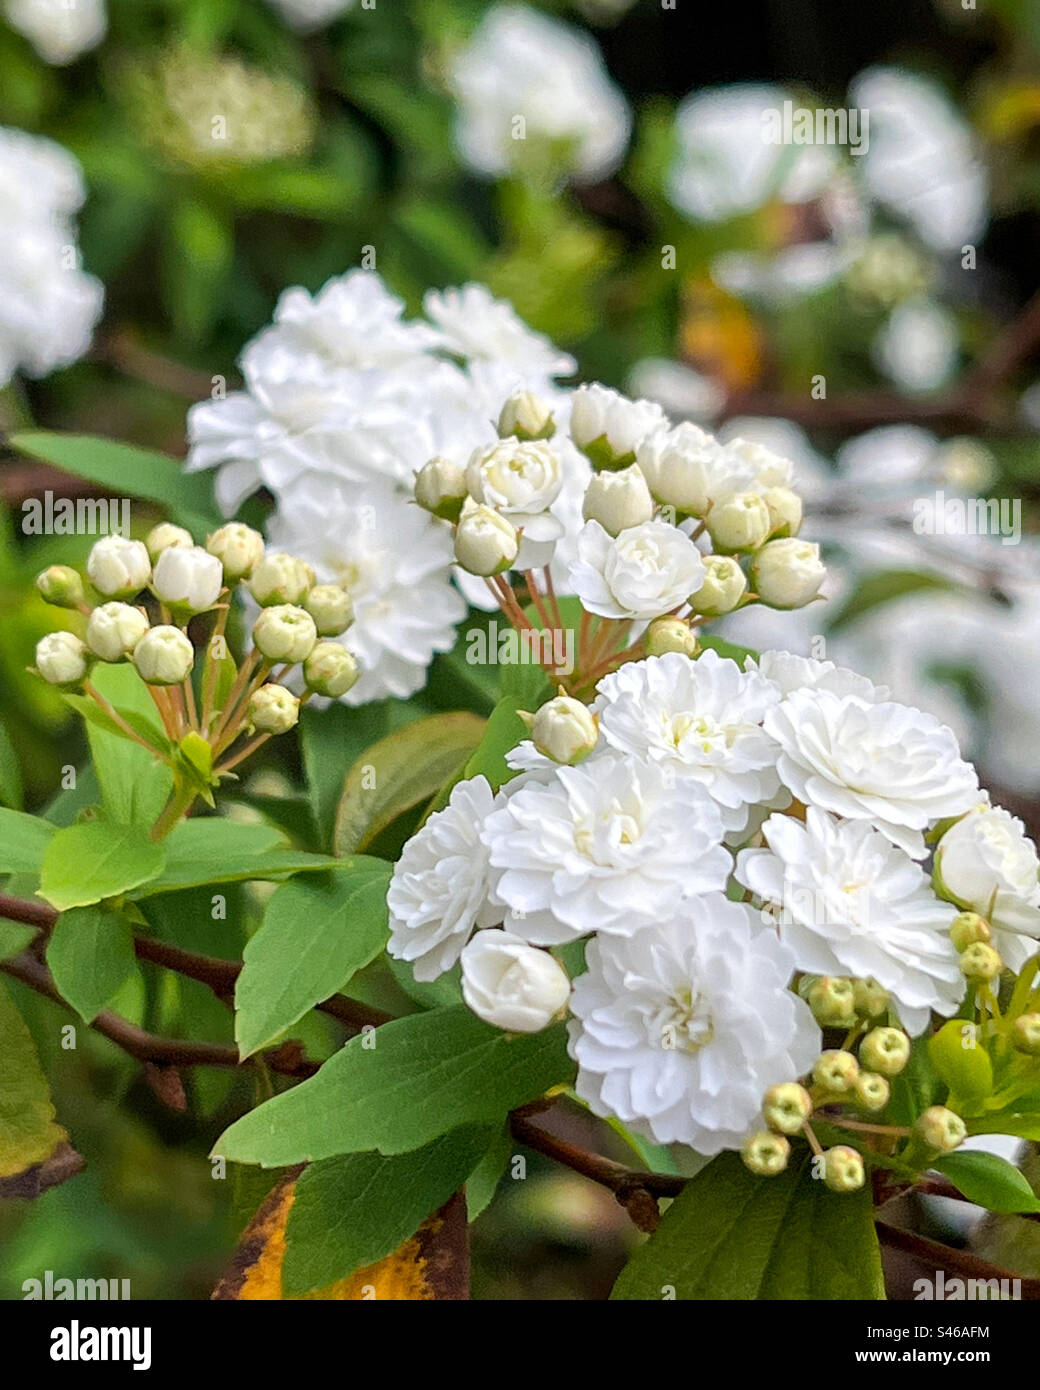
{"x": 343, "y": 140}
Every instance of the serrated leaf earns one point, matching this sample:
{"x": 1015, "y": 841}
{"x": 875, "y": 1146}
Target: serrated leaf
{"x": 733, "y": 1235}
{"x": 400, "y": 1087}
{"x": 28, "y": 1131}
{"x": 23, "y": 842}
{"x": 989, "y": 1181}
{"x": 353, "y": 1210}
{"x": 84, "y": 864}
{"x": 91, "y": 956}
{"x": 213, "y": 849}
{"x": 316, "y": 932}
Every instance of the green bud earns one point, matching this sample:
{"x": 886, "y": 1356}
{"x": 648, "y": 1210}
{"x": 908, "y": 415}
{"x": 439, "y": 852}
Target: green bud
{"x": 440, "y": 488}
{"x": 872, "y": 1090}
{"x": 941, "y": 1129}
{"x": 787, "y": 1107}
{"x": 273, "y": 709}
{"x": 61, "y": 586}
{"x": 885, "y": 1050}
{"x": 843, "y": 1169}
{"x": 165, "y": 535}
{"x": 330, "y": 670}
{"x": 331, "y": 608}
{"x": 871, "y": 1000}
{"x": 967, "y": 929}
{"x": 1025, "y": 1034}
{"x": 766, "y": 1153}
{"x": 836, "y": 1071}
{"x": 671, "y": 635}
{"x": 981, "y": 962}
{"x": 833, "y": 1001}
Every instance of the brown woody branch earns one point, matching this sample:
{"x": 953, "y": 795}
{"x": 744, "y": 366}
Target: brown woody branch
{"x": 945, "y": 1257}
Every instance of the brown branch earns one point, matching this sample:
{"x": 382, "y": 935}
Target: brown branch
{"x": 30, "y": 914}
{"x": 122, "y": 350}
{"x": 947, "y": 1258}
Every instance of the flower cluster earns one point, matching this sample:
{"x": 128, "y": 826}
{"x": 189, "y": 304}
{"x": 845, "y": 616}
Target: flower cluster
{"x": 740, "y": 851}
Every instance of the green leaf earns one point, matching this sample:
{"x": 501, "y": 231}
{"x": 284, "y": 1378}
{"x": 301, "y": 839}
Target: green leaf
{"x": 23, "y": 842}
{"x": 505, "y": 729}
{"x": 85, "y": 863}
{"x": 733, "y": 650}
{"x": 1010, "y": 1121}
{"x": 91, "y": 956}
{"x": 733, "y": 1235}
{"x": 135, "y": 786}
{"x": 123, "y": 469}
{"x": 350, "y": 1211}
{"x": 28, "y": 1132}
{"x": 915, "y": 1088}
{"x": 197, "y": 255}
{"x": 92, "y": 712}
{"x": 315, "y": 934}
{"x": 399, "y": 772}
{"x": 401, "y": 1086}
{"x": 14, "y": 938}
{"x": 11, "y": 789}
{"x": 482, "y": 1183}
{"x": 991, "y": 1182}
{"x": 212, "y": 849}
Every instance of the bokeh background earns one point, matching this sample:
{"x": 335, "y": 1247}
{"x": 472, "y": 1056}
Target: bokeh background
{"x": 646, "y": 228}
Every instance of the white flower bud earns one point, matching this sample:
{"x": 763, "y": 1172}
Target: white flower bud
{"x": 738, "y": 522}
{"x": 440, "y": 488}
{"x": 238, "y": 548}
{"x": 61, "y": 586}
{"x": 788, "y": 573}
{"x": 485, "y": 543}
{"x": 843, "y": 1169}
{"x": 765, "y": 1154}
{"x": 61, "y": 658}
{"x": 285, "y": 633}
{"x": 512, "y": 985}
{"x": 785, "y": 511}
{"x": 330, "y": 670}
{"x": 564, "y": 730}
{"x": 114, "y": 630}
{"x": 273, "y": 710}
{"x": 607, "y": 426}
{"x": 163, "y": 656}
{"x": 165, "y": 535}
{"x": 768, "y": 468}
{"x": 671, "y": 635}
{"x": 687, "y": 469}
{"x": 885, "y": 1050}
{"x": 1025, "y": 1034}
{"x": 279, "y": 578}
{"x": 119, "y": 568}
{"x": 724, "y": 586}
{"x": 526, "y": 416}
{"x": 986, "y": 863}
{"x": 618, "y": 500}
{"x": 331, "y": 607}
{"x": 941, "y": 1129}
{"x": 188, "y": 581}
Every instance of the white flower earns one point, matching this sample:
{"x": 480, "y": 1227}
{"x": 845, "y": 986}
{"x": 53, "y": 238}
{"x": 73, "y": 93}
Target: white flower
{"x": 119, "y": 568}
{"x": 353, "y": 321}
{"x": 522, "y": 63}
{"x": 59, "y": 30}
{"x": 618, "y": 500}
{"x": 609, "y": 426}
{"x": 163, "y": 656}
{"x": 788, "y": 573}
{"x": 689, "y": 469}
{"x": 474, "y": 324}
{"x": 520, "y": 481}
{"x": 918, "y": 346}
{"x": 308, "y": 15}
{"x": 608, "y": 846}
{"x": 188, "y": 579}
{"x": 791, "y": 672}
{"x": 889, "y": 764}
{"x": 768, "y": 468}
{"x": 848, "y": 902}
{"x": 512, "y": 985}
{"x": 986, "y": 864}
{"x": 644, "y": 572}
{"x": 701, "y": 720}
{"x": 61, "y": 658}
{"x": 387, "y": 553}
{"x": 438, "y": 893}
{"x": 681, "y": 1029}
{"x": 114, "y": 629}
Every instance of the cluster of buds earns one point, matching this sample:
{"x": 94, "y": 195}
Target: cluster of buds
{"x": 141, "y": 598}
{"x": 840, "y": 1002}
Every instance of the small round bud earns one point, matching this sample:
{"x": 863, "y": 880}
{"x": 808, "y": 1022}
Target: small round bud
{"x": 163, "y": 656}
{"x": 738, "y": 522}
{"x": 485, "y": 542}
{"x": 188, "y": 581}
{"x": 114, "y": 630}
{"x": 526, "y": 416}
{"x": 787, "y": 1107}
{"x": 511, "y": 984}
{"x": 273, "y": 710}
{"x": 766, "y": 1154}
{"x": 980, "y": 962}
{"x": 724, "y": 586}
{"x": 279, "y": 578}
{"x": 238, "y": 548}
{"x": 885, "y": 1050}
{"x": 61, "y": 586}
{"x": 785, "y": 511}
{"x": 564, "y": 730}
{"x": 941, "y": 1129}
{"x": 870, "y": 999}
{"x": 119, "y": 568}
{"x": 165, "y": 535}
{"x": 61, "y": 659}
{"x": 843, "y": 1169}
{"x": 440, "y": 488}
{"x": 671, "y": 635}
{"x": 330, "y": 670}
{"x": 833, "y": 1001}
{"x": 788, "y": 573}
{"x": 331, "y": 607}
{"x": 967, "y": 929}
{"x": 618, "y": 500}
{"x": 1025, "y": 1034}
{"x": 285, "y": 633}
{"x": 872, "y": 1090}
{"x": 836, "y": 1071}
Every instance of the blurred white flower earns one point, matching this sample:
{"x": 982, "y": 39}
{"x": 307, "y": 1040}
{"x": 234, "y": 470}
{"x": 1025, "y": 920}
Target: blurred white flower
{"x": 791, "y": 672}
{"x": 677, "y": 388}
{"x": 525, "y": 80}
{"x": 308, "y": 15}
{"x": 474, "y": 324}
{"x": 918, "y": 345}
{"x": 59, "y": 30}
